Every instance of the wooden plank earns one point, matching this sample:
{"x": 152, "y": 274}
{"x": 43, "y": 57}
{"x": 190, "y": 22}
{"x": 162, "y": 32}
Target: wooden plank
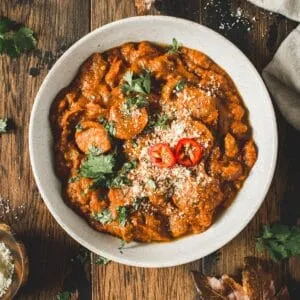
{"x": 57, "y": 25}
{"x": 266, "y": 32}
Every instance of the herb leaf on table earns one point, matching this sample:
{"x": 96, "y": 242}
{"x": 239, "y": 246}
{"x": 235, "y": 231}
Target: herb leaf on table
{"x": 15, "y": 39}
{"x": 280, "y": 241}
{"x": 101, "y": 260}
{"x": 3, "y": 125}
{"x": 64, "y": 296}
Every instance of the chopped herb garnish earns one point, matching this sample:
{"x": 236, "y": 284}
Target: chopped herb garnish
{"x": 180, "y": 85}
{"x": 161, "y": 121}
{"x": 63, "y": 296}
{"x": 14, "y": 38}
{"x": 134, "y": 142}
{"x": 97, "y": 166}
{"x": 93, "y": 150}
{"x": 100, "y": 260}
{"x": 3, "y": 125}
{"x": 140, "y": 84}
{"x": 109, "y": 126}
{"x": 151, "y": 184}
{"x": 137, "y": 101}
{"x": 103, "y": 216}
{"x": 122, "y": 245}
{"x": 78, "y": 127}
{"x": 73, "y": 179}
{"x": 175, "y": 47}
{"x": 122, "y": 217}
{"x": 280, "y": 241}
{"x": 137, "y": 202}
{"x": 128, "y": 166}
{"x": 121, "y": 179}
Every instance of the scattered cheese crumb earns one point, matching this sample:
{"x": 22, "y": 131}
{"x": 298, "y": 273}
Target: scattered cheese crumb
{"x": 6, "y": 268}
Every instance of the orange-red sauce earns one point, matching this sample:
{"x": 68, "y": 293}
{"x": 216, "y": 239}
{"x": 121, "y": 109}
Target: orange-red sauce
{"x": 155, "y": 204}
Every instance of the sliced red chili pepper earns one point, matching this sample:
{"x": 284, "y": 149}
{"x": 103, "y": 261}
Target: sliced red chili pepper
{"x": 188, "y": 152}
{"x": 162, "y": 156}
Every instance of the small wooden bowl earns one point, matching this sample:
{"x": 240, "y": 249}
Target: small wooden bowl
{"x": 18, "y": 253}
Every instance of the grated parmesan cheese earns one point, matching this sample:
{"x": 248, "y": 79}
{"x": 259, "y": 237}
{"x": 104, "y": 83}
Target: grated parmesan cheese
{"x": 6, "y": 268}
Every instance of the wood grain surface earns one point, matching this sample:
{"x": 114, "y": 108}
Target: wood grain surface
{"x": 58, "y": 24}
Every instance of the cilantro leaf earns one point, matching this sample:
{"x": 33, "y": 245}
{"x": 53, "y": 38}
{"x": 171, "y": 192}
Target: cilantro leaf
{"x": 15, "y": 39}
{"x": 122, "y": 245}
{"x": 93, "y": 150}
{"x": 280, "y": 241}
{"x": 141, "y": 84}
{"x": 122, "y": 217}
{"x": 96, "y": 166}
{"x": 73, "y": 179}
{"x": 3, "y": 125}
{"x": 103, "y": 216}
{"x": 101, "y": 260}
{"x": 78, "y": 127}
{"x": 121, "y": 179}
{"x": 175, "y": 47}
{"x": 137, "y": 202}
{"x": 63, "y": 296}
{"x": 109, "y": 126}
{"x": 138, "y": 101}
{"x": 180, "y": 85}
{"x": 161, "y": 121}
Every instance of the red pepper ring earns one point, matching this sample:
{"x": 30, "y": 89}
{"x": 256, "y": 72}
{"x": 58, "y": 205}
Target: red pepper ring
{"x": 162, "y": 156}
{"x": 188, "y": 152}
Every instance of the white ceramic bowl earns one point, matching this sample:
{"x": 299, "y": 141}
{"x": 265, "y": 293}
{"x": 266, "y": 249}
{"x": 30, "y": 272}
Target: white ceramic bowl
{"x": 157, "y": 29}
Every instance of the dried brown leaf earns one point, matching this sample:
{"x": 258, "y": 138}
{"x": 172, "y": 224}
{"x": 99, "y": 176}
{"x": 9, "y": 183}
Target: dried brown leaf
{"x": 257, "y": 285}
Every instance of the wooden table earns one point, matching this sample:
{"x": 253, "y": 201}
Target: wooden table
{"x": 58, "y": 24}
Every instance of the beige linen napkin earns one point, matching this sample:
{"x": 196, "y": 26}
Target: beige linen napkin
{"x": 282, "y": 75}
{"x": 288, "y": 8}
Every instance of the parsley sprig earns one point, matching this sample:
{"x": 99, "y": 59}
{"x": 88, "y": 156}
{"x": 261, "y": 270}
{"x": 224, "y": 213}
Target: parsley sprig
{"x": 137, "y": 101}
{"x": 175, "y": 47}
{"x": 180, "y": 85}
{"x": 14, "y": 38}
{"x": 122, "y": 179}
{"x": 104, "y": 216}
{"x": 136, "y": 89}
{"x": 66, "y": 295}
{"x": 122, "y": 215}
{"x": 280, "y": 241}
{"x": 3, "y": 125}
{"x": 140, "y": 84}
{"x": 97, "y": 166}
{"x": 109, "y": 126}
{"x": 101, "y": 260}
{"x": 161, "y": 121}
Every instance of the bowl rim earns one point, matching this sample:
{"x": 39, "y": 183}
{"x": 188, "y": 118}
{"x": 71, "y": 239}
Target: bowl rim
{"x": 72, "y": 233}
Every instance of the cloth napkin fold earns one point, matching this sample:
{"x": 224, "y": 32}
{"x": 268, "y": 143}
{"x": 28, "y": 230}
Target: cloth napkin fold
{"x": 288, "y": 8}
{"x": 282, "y": 75}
